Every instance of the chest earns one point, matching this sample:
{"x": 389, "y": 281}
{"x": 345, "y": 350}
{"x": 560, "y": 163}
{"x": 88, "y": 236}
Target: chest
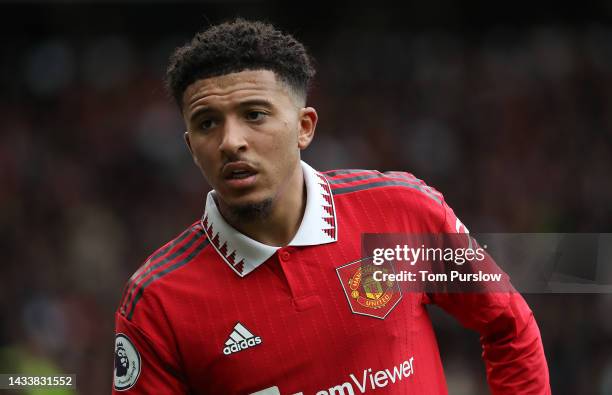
{"x": 306, "y": 319}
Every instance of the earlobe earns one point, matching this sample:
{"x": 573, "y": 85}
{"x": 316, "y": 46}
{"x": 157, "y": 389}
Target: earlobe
{"x": 308, "y": 124}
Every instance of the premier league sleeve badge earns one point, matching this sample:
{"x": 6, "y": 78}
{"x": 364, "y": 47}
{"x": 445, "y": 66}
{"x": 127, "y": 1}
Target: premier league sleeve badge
{"x": 127, "y": 363}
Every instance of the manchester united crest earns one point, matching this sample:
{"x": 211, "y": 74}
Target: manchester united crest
{"x": 367, "y": 294}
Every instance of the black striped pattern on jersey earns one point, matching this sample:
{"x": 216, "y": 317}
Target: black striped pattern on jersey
{"x": 146, "y": 267}
{"x": 360, "y": 180}
{"x": 334, "y": 173}
{"x": 183, "y": 242}
{"x": 170, "y": 259}
{"x": 360, "y": 177}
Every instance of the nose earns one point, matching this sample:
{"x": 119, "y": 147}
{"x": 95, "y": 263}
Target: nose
{"x": 233, "y": 140}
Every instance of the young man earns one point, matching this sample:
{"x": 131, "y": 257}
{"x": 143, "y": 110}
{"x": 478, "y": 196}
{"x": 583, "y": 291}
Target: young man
{"x": 253, "y": 297}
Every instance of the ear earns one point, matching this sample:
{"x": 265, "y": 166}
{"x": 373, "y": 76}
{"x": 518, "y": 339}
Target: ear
{"x": 187, "y": 139}
{"x": 308, "y": 124}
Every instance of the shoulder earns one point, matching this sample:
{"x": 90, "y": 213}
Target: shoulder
{"x": 173, "y": 255}
{"x": 354, "y": 181}
{"x": 396, "y": 195}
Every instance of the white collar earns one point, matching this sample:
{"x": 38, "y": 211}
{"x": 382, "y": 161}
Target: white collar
{"x": 243, "y": 254}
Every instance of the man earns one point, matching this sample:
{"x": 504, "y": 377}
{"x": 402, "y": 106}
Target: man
{"x": 261, "y": 295}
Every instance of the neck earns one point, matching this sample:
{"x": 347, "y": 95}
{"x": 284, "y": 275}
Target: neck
{"x": 283, "y": 222}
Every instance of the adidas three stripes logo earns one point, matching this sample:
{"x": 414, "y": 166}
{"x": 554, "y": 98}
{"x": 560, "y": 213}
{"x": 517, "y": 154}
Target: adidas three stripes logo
{"x": 240, "y": 339}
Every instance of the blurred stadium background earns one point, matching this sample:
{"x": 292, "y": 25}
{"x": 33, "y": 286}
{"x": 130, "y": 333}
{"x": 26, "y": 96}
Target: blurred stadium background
{"x": 506, "y": 109}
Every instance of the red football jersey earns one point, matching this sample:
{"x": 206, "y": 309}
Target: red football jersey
{"x": 215, "y": 312}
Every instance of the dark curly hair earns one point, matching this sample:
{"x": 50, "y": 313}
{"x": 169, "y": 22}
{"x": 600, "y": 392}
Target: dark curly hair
{"x": 237, "y": 46}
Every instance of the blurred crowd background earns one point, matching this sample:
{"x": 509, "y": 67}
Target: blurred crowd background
{"x": 507, "y": 111}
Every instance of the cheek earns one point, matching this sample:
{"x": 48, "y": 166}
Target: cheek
{"x": 205, "y": 157}
{"x": 285, "y": 145}
{"x": 287, "y": 152}
{"x": 290, "y": 134}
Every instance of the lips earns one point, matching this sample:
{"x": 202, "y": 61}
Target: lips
{"x": 239, "y": 175}
{"x": 238, "y": 170}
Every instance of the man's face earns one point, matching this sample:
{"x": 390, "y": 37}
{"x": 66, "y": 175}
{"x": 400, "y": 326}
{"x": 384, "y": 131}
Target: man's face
{"x": 245, "y": 131}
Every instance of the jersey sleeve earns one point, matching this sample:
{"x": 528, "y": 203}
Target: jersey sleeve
{"x": 509, "y": 335}
{"x": 143, "y": 365}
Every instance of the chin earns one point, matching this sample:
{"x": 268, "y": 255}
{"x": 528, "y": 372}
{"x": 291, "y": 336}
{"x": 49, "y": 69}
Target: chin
{"x": 250, "y": 210}
{"x": 243, "y": 198}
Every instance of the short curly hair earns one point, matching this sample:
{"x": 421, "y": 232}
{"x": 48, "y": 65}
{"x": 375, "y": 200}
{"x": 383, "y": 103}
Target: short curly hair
{"x": 237, "y": 46}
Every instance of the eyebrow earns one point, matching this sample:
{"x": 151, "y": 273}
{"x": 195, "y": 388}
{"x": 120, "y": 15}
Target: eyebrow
{"x": 256, "y": 102}
{"x": 253, "y": 102}
{"x": 199, "y": 111}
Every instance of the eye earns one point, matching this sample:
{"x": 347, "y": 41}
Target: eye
{"x": 207, "y": 124}
{"x": 255, "y": 115}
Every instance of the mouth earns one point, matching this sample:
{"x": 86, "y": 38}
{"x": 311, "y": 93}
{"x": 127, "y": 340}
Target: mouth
{"x": 239, "y": 174}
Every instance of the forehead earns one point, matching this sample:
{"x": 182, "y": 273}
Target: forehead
{"x": 234, "y": 86}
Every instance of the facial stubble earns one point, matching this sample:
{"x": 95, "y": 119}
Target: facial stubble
{"x": 249, "y": 212}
